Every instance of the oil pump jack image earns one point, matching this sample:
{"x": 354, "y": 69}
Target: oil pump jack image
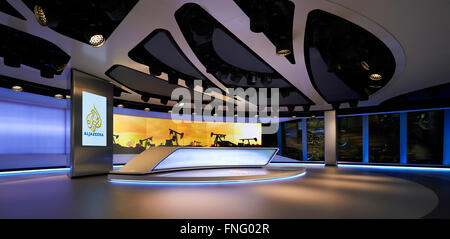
{"x": 147, "y": 142}
{"x": 115, "y": 139}
{"x": 248, "y": 144}
{"x": 219, "y": 140}
{"x": 170, "y": 142}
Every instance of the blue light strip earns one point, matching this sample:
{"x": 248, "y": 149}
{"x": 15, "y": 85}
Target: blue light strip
{"x": 403, "y": 137}
{"x": 446, "y": 153}
{"x": 304, "y": 141}
{"x": 41, "y": 171}
{"x": 393, "y": 167}
{"x": 365, "y": 121}
{"x": 298, "y": 164}
{"x": 184, "y": 183}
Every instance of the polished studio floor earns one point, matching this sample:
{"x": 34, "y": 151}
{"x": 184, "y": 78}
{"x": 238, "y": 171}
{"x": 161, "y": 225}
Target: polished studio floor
{"x": 324, "y": 192}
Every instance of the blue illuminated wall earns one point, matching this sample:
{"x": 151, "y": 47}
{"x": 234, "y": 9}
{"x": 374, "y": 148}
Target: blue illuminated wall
{"x": 34, "y": 130}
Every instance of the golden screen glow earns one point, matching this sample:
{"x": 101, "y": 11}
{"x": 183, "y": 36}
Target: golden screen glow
{"x": 133, "y": 134}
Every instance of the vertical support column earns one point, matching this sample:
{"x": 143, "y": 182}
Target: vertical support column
{"x": 330, "y": 138}
{"x": 403, "y": 137}
{"x": 446, "y": 155}
{"x": 365, "y": 126}
{"x": 304, "y": 141}
{"x": 279, "y": 139}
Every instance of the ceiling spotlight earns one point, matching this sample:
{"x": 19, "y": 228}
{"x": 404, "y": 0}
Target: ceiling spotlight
{"x": 68, "y": 97}
{"x": 313, "y": 116}
{"x": 155, "y": 70}
{"x": 58, "y": 96}
{"x": 282, "y": 47}
{"x": 40, "y": 15}
{"x": 294, "y": 117}
{"x": 291, "y": 108}
{"x": 375, "y": 77}
{"x": 235, "y": 115}
{"x": 365, "y": 65}
{"x": 117, "y": 92}
{"x": 193, "y": 113}
{"x": 375, "y": 86}
{"x": 147, "y": 109}
{"x": 120, "y": 106}
{"x": 164, "y": 101}
{"x": 172, "y": 79}
{"x": 145, "y": 98}
{"x": 170, "y": 112}
{"x": 97, "y": 40}
{"x": 251, "y": 79}
{"x": 236, "y": 77}
{"x": 256, "y": 116}
{"x": 17, "y": 88}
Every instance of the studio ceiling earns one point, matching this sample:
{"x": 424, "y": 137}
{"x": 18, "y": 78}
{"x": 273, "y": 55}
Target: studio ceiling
{"x": 416, "y": 32}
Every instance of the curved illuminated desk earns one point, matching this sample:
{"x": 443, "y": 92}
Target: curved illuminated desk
{"x": 165, "y": 165}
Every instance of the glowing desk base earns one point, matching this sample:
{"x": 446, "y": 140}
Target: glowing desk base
{"x": 163, "y": 165}
{"x": 212, "y": 176}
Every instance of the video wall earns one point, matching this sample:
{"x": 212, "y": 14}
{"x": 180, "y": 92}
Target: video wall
{"x": 133, "y": 134}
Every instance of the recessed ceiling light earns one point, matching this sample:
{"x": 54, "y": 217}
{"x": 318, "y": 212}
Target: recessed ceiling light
{"x": 120, "y": 106}
{"x": 283, "y": 52}
{"x": 215, "y": 114}
{"x": 375, "y": 86}
{"x": 365, "y": 65}
{"x": 68, "y": 97}
{"x": 375, "y": 77}
{"x": 193, "y": 113}
{"x": 97, "y": 40}
{"x": 147, "y": 109}
{"x": 170, "y": 112}
{"x": 293, "y": 116}
{"x": 313, "y": 116}
{"x": 235, "y": 115}
{"x": 40, "y": 15}
{"x": 17, "y": 88}
{"x": 58, "y": 96}
{"x": 256, "y": 116}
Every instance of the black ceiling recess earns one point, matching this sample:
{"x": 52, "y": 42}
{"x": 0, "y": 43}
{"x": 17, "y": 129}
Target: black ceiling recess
{"x": 10, "y": 10}
{"x": 229, "y": 59}
{"x": 31, "y": 87}
{"x": 345, "y": 62}
{"x": 275, "y": 19}
{"x": 18, "y": 48}
{"x": 161, "y": 53}
{"x": 146, "y": 85}
{"x": 88, "y": 21}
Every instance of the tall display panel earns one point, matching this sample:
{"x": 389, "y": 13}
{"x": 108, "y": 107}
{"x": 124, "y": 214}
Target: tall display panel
{"x": 91, "y": 125}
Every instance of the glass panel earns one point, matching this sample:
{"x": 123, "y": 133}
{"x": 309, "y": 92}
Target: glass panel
{"x": 315, "y": 139}
{"x": 425, "y": 137}
{"x": 292, "y": 137}
{"x": 384, "y": 138}
{"x": 350, "y": 143}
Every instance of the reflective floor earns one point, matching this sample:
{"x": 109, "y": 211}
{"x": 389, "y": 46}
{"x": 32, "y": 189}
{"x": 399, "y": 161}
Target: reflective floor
{"x": 324, "y": 192}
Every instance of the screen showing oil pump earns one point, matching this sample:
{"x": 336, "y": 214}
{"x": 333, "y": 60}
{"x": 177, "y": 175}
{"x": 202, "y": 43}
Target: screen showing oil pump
{"x": 133, "y": 134}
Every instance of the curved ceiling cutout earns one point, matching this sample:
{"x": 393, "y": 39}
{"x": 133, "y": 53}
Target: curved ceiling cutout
{"x": 18, "y": 48}
{"x": 161, "y": 53}
{"x": 83, "y": 19}
{"x": 210, "y": 42}
{"x": 345, "y": 62}
{"x": 10, "y": 10}
{"x": 140, "y": 82}
{"x": 274, "y": 18}
{"x": 234, "y": 54}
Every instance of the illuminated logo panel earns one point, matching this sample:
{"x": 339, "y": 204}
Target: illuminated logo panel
{"x": 94, "y": 125}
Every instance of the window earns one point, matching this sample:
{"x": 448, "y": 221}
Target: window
{"x": 315, "y": 139}
{"x": 425, "y": 137}
{"x": 384, "y": 138}
{"x": 350, "y": 142}
{"x": 292, "y": 137}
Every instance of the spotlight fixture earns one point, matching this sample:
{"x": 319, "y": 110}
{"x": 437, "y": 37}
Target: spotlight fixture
{"x": 193, "y": 113}
{"x": 117, "y": 92}
{"x": 40, "y": 15}
{"x": 313, "y": 116}
{"x": 59, "y": 96}
{"x": 120, "y": 106}
{"x": 155, "y": 70}
{"x": 375, "y": 77}
{"x": 294, "y": 117}
{"x": 282, "y": 47}
{"x": 97, "y": 40}
{"x": 145, "y": 98}
{"x": 365, "y": 65}
{"x": 172, "y": 79}
{"x": 164, "y": 101}
{"x": 251, "y": 79}
{"x": 291, "y": 108}
{"x": 306, "y": 108}
{"x": 17, "y": 88}
{"x": 375, "y": 86}
{"x": 236, "y": 77}
{"x": 170, "y": 112}
{"x": 235, "y": 115}
{"x": 147, "y": 109}
{"x": 68, "y": 97}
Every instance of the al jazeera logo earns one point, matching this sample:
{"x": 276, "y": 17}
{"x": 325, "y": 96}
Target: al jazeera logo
{"x": 94, "y": 122}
